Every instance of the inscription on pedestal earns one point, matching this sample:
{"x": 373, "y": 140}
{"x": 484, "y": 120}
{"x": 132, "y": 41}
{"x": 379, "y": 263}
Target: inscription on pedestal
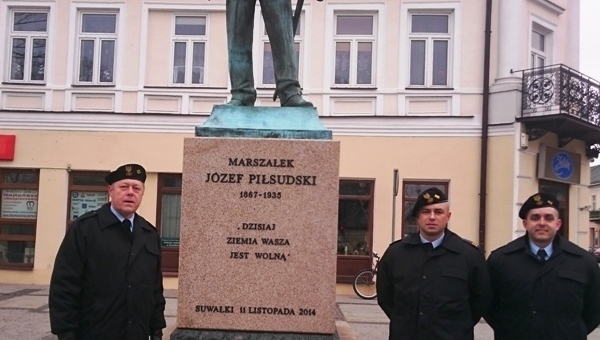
{"x": 258, "y": 235}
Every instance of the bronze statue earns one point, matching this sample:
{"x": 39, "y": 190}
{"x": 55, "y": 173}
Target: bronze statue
{"x": 280, "y": 29}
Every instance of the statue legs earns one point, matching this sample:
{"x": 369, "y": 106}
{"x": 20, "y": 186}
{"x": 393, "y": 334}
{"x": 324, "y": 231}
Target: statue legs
{"x": 277, "y": 15}
{"x": 240, "y": 24}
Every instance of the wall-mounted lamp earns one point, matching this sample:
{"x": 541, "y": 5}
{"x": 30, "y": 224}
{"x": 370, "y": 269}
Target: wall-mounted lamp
{"x": 592, "y": 151}
{"x": 587, "y": 207}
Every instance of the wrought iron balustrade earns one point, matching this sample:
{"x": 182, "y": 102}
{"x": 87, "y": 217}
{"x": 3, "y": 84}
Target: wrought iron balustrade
{"x": 559, "y": 89}
{"x": 594, "y": 215}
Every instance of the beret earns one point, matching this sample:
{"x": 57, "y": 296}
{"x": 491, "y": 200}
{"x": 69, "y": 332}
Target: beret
{"x": 430, "y": 196}
{"x": 127, "y": 171}
{"x": 539, "y": 200}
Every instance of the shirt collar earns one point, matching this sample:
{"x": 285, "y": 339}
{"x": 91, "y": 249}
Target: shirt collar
{"x": 534, "y": 248}
{"x": 434, "y": 243}
{"x": 120, "y": 217}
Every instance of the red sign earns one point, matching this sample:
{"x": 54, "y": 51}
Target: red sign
{"x": 7, "y": 147}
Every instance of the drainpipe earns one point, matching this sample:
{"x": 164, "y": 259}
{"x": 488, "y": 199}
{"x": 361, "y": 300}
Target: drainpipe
{"x": 485, "y": 125}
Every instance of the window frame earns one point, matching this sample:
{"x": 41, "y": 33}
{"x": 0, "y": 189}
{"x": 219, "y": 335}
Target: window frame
{"x": 354, "y": 40}
{"x": 189, "y": 41}
{"x": 349, "y": 265}
{"x": 29, "y": 36}
{"x": 23, "y": 221}
{"x": 425, "y": 184}
{"x": 170, "y": 262}
{"x": 98, "y": 39}
{"x": 430, "y": 39}
{"x": 83, "y": 188}
{"x": 535, "y": 53}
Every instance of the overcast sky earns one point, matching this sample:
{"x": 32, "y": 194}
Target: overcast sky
{"x": 590, "y": 39}
{"x": 589, "y": 53}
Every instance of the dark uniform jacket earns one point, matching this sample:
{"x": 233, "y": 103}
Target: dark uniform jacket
{"x": 559, "y": 299}
{"x": 433, "y": 295}
{"x": 107, "y": 283}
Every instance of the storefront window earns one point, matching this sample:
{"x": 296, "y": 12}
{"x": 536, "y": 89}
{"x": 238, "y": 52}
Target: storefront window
{"x": 168, "y": 220}
{"x": 355, "y": 217}
{"x": 87, "y": 192}
{"x": 18, "y": 217}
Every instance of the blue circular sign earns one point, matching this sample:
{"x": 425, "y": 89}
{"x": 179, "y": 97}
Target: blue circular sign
{"x": 562, "y": 165}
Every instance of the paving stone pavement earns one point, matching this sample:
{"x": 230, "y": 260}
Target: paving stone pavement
{"x": 24, "y": 316}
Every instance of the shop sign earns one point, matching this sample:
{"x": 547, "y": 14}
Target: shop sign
{"x": 84, "y": 201}
{"x": 559, "y": 165}
{"x": 19, "y": 203}
{"x": 169, "y": 242}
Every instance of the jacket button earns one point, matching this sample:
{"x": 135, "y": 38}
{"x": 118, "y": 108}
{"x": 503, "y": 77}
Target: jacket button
{"x": 424, "y": 277}
{"x": 533, "y": 312}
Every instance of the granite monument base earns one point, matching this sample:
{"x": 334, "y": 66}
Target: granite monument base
{"x": 197, "y": 334}
{"x": 259, "y": 223}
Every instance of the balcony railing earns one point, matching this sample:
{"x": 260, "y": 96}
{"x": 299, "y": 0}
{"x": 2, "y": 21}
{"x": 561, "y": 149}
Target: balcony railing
{"x": 594, "y": 215}
{"x": 558, "y": 89}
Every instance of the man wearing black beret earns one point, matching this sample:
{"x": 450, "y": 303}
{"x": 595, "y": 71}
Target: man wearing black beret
{"x": 544, "y": 286}
{"x": 107, "y": 279}
{"x": 432, "y": 284}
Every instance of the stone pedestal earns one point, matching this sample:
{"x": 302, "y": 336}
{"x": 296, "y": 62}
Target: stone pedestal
{"x": 258, "y": 232}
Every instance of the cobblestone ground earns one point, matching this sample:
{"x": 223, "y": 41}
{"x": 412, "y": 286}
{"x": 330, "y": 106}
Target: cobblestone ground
{"x": 24, "y": 316}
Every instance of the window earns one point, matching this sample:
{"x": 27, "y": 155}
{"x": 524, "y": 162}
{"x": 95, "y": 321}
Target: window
{"x": 189, "y": 47}
{"x": 355, "y": 227}
{"x": 541, "y": 45}
{"x": 97, "y": 47}
{"x": 410, "y": 193}
{"x": 430, "y": 44}
{"x": 28, "y": 39}
{"x": 354, "y": 40}
{"x": 268, "y": 71}
{"x": 593, "y": 202}
{"x": 594, "y": 239}
{"x": 18, "y": 217}
{"x": 354, "y": 217}
{"x": 538, "y": 54}
{"x": 168, "y": 219}
{"x": 87, "y": 191}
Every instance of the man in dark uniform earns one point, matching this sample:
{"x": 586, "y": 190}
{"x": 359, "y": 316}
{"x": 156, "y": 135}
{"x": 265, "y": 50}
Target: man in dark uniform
{"x": 277, "y": 16}
{"x": 107, "y": 280}
{"x": 544, "y": 286}
{"x": 433, "y": 285}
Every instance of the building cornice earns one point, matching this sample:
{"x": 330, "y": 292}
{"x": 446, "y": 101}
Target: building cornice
{"x": 380, "y": 126}
{"x": 551, "y": 5}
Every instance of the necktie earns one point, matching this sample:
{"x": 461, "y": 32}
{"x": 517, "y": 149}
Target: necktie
{"x": 541, "y": 254}
{"x": 127, "y": 224}
{"x": 428, "y": 247}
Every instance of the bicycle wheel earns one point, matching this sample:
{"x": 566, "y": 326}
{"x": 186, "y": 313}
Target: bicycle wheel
{"x": 364, "y": 285}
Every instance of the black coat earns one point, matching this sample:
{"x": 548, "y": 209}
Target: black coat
{"x": 433, "y": 296}
{"x": 106, "y": 283}
{"x": 557, "y": 300}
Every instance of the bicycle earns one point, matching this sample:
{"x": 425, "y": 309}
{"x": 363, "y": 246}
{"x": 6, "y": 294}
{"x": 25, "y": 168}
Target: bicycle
{"x": 364, "y": 282}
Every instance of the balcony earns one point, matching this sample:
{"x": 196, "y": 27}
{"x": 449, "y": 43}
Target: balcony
{"x": 595, "y": 215}
{"x": 561, "y": 100}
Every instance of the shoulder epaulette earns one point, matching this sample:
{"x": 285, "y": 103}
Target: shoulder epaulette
{"x": 87, "y": 215}
{"x": 470, "y": 243}
{"x": 398, "y": 240}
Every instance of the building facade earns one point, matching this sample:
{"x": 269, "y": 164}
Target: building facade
{"x": 470, "y": 96}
